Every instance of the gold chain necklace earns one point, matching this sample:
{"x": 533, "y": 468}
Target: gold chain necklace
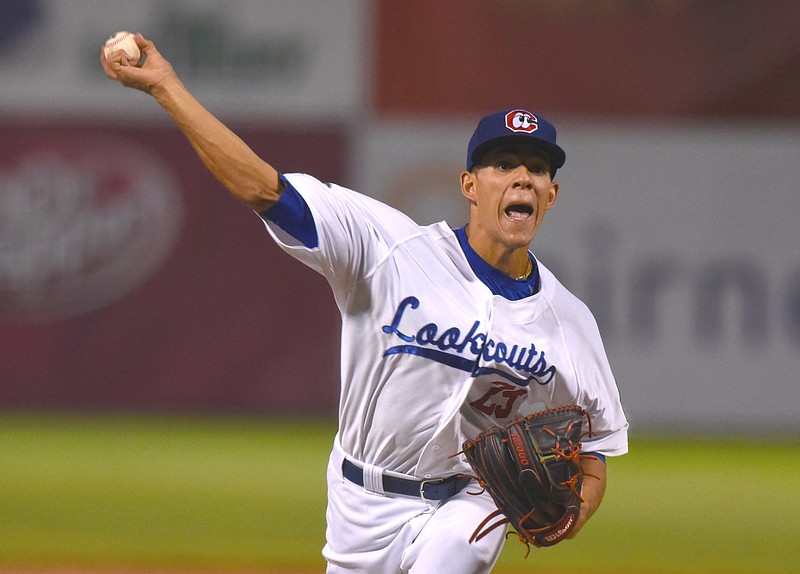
{"x": 528, "y": 271}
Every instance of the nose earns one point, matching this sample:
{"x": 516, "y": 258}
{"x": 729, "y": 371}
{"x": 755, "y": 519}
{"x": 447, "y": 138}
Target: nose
{"x": 523, "y": 179}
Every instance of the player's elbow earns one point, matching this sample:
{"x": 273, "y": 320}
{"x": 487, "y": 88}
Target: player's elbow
{"x": 259, "y": 193}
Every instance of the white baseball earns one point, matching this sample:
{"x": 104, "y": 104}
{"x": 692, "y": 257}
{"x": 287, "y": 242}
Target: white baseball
{"x": 123, "y": 41}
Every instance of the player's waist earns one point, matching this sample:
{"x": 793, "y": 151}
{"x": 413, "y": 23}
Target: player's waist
{"x": 377, "y": 480}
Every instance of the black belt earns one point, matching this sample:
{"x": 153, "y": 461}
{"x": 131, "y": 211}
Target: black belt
{"x": 437, "y": 489}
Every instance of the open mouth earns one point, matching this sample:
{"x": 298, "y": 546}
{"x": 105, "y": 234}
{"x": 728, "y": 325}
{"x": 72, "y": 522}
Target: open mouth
{"x": 519, "y": 211}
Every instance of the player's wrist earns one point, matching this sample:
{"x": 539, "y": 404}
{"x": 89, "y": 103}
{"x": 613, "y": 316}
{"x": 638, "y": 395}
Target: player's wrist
{"x": 165, "y": 88}
{"x": 170, "y": 93}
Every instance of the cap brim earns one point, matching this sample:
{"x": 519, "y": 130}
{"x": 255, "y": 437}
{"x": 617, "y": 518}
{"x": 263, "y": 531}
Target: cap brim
{"x": 554, "y": 153}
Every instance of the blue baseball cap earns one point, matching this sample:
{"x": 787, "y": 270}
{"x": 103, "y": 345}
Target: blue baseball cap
{"x": 510, "y": 125}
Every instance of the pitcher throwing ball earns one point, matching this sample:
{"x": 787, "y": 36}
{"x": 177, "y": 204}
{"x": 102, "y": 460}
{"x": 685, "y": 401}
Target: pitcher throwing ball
{"x": 446, "y": 332}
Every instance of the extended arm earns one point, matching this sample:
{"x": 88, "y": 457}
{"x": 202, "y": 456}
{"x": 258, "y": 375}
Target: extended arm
{"x": 594, "y": 487}
{"x": 248, "y": 177}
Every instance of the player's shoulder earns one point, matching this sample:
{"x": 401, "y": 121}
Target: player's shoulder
{"x": 570, "y": 309}
{"x": 316, "y": 191}
{"x": 336, "y": 203}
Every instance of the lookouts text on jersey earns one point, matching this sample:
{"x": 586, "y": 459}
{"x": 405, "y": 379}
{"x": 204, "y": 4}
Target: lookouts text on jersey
{"x": 430, "y": 356}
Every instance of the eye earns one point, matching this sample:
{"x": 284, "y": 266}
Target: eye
{"x": 503, "y": 165}
{"x": 538, "y": 168}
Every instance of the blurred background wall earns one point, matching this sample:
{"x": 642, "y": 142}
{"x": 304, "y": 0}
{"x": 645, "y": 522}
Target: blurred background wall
{"x": 130, "y": 281}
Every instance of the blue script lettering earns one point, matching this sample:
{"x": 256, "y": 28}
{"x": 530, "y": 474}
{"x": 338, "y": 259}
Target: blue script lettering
{"x": 389, "y": 329}
{"x": 475, "y": 343}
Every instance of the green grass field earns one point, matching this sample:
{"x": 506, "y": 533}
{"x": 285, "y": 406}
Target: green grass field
{"x": 245, "y": 493}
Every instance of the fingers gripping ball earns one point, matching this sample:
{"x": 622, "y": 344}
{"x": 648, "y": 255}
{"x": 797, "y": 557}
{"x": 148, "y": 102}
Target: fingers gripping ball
{"x": 126, "y": 42}
{"x": 530, "y": 469}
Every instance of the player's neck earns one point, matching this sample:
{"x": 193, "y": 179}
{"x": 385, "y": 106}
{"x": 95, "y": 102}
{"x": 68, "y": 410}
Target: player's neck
{"x": 511, "y": 260}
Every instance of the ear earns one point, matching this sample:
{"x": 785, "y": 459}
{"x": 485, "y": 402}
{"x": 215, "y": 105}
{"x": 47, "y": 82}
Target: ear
{"x": 468, "y": 186}
{"x": 552, "y": 195}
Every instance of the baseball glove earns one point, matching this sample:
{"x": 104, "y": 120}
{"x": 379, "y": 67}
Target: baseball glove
{"x": 530, "y": 469}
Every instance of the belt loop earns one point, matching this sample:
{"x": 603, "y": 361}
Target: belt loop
{"x": 373, "y": 479}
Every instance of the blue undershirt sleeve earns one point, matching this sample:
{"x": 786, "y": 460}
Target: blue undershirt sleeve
{"x": 597, "y": 454}
{"x": 292, "y": 214}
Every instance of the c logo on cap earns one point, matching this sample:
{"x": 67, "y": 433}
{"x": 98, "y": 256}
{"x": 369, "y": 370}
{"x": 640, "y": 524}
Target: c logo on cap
{"x": 521, "y": 121}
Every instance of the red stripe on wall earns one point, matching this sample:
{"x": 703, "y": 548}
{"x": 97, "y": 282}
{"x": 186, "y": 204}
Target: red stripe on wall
{"x": 651, "y": 58}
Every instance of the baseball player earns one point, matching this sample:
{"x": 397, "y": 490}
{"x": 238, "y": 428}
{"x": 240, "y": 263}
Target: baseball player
{"x": 445, "y": 332}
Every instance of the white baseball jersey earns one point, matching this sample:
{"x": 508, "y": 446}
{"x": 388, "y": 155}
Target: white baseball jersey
{"x": 430, "y": 356}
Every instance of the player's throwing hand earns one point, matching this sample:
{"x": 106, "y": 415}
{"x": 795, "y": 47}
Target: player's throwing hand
{"x": 154, "y": 72}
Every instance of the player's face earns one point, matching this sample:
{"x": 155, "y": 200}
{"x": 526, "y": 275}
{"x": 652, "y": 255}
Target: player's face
{"x": 509, "y": 194}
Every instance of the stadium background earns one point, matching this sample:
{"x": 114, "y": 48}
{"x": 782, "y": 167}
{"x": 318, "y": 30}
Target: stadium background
{"x": 130, "y": 284}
